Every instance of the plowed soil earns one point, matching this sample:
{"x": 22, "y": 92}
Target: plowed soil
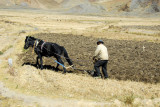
{"x": 127, "y": 59}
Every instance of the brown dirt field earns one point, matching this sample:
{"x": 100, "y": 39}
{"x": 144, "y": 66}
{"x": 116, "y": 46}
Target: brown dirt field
{"x": 128, "y": 60}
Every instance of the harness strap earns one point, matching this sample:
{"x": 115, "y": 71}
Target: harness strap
{"x": 42, "y": 46}
{"x": 35, "y": 45}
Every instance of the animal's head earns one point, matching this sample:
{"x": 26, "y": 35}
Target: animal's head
{"x": 29, "y": 41}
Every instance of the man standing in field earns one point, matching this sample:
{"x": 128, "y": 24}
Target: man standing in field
{"x": 101, "y": 54}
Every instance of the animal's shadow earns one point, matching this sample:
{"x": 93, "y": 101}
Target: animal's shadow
{"x": 48, "y": 67}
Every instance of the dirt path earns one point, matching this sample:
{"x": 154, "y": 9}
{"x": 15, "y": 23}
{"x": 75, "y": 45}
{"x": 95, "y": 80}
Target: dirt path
{"x": 45, "y": 102}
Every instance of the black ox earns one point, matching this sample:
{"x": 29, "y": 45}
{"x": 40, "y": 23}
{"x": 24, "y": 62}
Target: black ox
{"x": 47, "y": 49}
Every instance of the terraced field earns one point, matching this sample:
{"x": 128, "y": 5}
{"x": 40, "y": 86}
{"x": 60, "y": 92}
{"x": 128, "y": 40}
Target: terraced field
{"x": 129, "y": 60}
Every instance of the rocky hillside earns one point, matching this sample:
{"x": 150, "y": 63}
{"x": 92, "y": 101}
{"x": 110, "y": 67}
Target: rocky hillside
{"x": 89, "y": 6}
{"x": 44, "y": 4}
{"x": 148, "y": 6}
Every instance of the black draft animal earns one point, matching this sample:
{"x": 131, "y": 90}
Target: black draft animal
{"x": 47, "y": 49}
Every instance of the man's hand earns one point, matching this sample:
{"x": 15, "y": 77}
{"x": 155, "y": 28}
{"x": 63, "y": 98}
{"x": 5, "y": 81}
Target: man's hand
{"x": 94, "y": 58}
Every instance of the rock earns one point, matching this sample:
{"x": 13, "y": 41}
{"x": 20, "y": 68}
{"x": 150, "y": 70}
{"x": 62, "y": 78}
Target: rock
{"x": 117, "y": 103}
{"x": 147, "y": 103}
{"x": 156, "y": 102}
{"x": 137, "y": 101}
{"x": 10, "y": 62}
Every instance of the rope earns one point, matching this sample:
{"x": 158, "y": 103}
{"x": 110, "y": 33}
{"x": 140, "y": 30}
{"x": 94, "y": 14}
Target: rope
{"x": 61, "y": 64}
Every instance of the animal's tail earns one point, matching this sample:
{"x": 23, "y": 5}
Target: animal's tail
{"x": 67, "y": 57}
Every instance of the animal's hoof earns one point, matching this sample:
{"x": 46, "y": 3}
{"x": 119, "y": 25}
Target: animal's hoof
{"x": 63, "y": 72}
{"x": 73, "y": 67}
{"x": 56, "y": 69}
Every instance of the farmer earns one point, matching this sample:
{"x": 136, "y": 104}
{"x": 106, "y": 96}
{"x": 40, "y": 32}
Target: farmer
{"x": 101, "y": 60}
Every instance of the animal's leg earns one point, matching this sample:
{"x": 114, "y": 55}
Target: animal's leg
{"x": 67, "y": 57}
{"x": 57, "y": 67}
{"x": 64, "y": 70}
{"x": 41, "y": 62}
{"x": 37, "y": 63}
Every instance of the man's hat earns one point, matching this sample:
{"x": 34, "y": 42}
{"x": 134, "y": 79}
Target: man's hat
{"x": 100, "y": 41}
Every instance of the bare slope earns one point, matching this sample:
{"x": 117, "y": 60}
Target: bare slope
{"x": 90, "y": 6}
{"x": 147, "y": 6}
{"x": 44, "y": 4}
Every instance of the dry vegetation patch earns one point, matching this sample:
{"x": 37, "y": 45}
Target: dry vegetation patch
{"x": 83, "y": 88}
{"x": 8, "y": 102}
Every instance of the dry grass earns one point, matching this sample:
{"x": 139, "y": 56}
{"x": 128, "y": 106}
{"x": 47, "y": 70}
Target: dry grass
{"x": 55, "y": 85}
{"x": 32, "y": 81}
{"x": 8, "y": 102}
{"x": 5, "y": 49}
